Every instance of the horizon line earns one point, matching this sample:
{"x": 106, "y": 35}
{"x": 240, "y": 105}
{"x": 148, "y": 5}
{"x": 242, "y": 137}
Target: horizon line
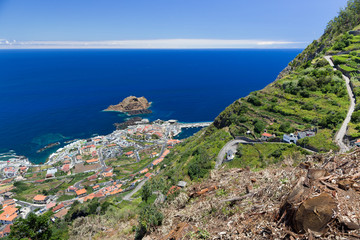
{"x": 152, "y": 44}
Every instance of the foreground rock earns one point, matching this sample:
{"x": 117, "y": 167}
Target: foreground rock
{"x": 132, "y": 105}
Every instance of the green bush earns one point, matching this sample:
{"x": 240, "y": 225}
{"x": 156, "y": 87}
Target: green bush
{"x": 254, "y": 100}
{"x": 149, "y": 217}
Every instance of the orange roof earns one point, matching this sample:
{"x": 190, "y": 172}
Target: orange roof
{"x": 119, "y": 185}
{"x": 148, "y": 175}
{"x": 99, "y": 194}
{"x": 116, "y": 191}
{"x": 144, "y": 170}
{"x": 60, "y": 206}
{"x": 267, "y": 135}
{"x": 108, "y": 174}
{"x": 92, "y": 160}
{"x": 89, "y": 197}
{"x": 40, "y": 197}
{"x": 61, "y": 213}
{"x": 111, "y": 145}
{"x": 78, "y": 157}
{"x": 358, "y": 140}
{"x": 129, "y": 153}
{"x": 9, "y": 214}
{"x": 66, "y": 161}
{"x": 97, "y": 186}
{"x": 81, "y": 191}
{"x": 154, "y": 153}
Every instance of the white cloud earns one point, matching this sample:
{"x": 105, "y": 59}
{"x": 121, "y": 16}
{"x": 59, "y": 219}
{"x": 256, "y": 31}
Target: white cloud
{"x": 153, "y": 44}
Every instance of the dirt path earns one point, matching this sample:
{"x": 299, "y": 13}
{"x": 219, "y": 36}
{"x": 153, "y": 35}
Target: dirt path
{"x": 342, "y": 131}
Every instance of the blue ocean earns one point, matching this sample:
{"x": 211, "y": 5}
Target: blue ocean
{"x": 58, "y": 95}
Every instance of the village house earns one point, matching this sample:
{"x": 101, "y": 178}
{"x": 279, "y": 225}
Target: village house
{"x": 81, "y": 192}
{"x": 8, "y": 215}
{"x": 61, "y": 213}
{"x": 293, "y": 138}
{"x": 6, "y": 231}
{"x": 148, "y": 175}
{"x": 91, "y": 161}
{"x": 58, "y": 207}
{"x": 129, "y": 154}
{"x": 107, "y": 174}
{"x": 50, "y": 173}
{"x": 65, "y": 168}
{"x": 71, "y": 189}
{"x": 9, "y": 172}
{"x": 154, "y": 154}
{"x": 230, "y": 155}
{"x": 357, "y": 143}
{"x": 96, "y": 187}
{"x": 144, "y": 171}
{"x": 40, "y": 199}
{"x": 266, "y": 136}
{"x": 87, "y": 150}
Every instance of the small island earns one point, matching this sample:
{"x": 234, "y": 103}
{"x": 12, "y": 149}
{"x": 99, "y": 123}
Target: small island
{"x": 132, "y": 105}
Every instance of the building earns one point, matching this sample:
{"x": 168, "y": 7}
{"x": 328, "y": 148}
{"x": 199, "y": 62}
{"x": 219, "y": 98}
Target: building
{"x": 5, "y": 231}
{"x": 81, "y": 192}
{"x": 181, "y": 184}
{"x": 71, "y": 189}
{"x": 61, "y": 213}
{"x": 230, "y": 155}
{"x": 291, "y": 138}
{"x": 357, "y": 143}
{"x": 94, "y": 160}
{"x": 66, "y": 168}
{"x": 9, "y": 172}
{"x": 87, "y": 150}
{"x": 95, "y": 187}
{"x": 266, "y": 136}
{"x": 58, "y": 207}
{"x": 144, "y": 171}
{"x": 130, "y": 154}
{"x": 148, "y": 175}
{"x": 40, "y": 199}
{"x": 9, "y": 215}
{"x": 51, "y": 172}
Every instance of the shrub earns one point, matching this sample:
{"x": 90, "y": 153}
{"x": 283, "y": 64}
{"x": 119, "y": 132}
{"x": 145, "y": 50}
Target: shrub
{"x": 254, "y": 100}
{"x": 149, "y": 217}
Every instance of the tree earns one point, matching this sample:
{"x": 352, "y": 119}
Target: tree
{"x": 146, "y": 192}
{"x": 33, "y": 227}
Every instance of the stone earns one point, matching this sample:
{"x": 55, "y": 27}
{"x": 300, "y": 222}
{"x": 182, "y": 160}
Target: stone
{"x": 315, "y": 213}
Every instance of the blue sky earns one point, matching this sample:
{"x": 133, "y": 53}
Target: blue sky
{"x": 177, "y": 23}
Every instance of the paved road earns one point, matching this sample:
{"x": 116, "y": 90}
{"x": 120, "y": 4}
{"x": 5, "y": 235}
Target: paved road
{"x": 232, "y": 145}
{"x": 342, "y": 131}
{"x": 135, "y": 190}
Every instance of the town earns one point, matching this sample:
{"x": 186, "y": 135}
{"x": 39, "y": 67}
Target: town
{"x": 111, "y": 166}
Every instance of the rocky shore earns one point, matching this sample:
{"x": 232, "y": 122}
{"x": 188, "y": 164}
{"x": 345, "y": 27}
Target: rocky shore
{"x": 132, "y": 105}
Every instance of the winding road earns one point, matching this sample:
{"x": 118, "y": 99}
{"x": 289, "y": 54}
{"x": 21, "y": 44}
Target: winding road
{"x": 342, "y": 131}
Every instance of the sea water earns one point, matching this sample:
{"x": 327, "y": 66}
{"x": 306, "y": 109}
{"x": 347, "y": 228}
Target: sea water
{"x": 48, "y": 96}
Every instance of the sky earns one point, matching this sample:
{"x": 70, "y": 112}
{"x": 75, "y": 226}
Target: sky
{"x": 164, "y": 23}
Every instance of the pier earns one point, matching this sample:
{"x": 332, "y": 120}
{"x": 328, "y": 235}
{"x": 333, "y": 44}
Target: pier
{"x": 194, "y": 125}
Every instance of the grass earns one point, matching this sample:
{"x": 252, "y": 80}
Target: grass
{"x": 66, "y": 197}
{"x": 259, "y": 156}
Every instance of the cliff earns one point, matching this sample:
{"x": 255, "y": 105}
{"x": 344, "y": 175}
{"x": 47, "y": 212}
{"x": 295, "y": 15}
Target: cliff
{"x": 132, "y": 105}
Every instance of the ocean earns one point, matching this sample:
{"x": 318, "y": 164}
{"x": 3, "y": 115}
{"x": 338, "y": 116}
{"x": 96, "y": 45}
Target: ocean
{"x": 58, "y": 95}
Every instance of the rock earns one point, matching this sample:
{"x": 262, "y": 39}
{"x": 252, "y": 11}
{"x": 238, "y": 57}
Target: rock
{"x": 315, "y": 213}
{"x": 345, "y": 184}
{"x": 132, "y": 105}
